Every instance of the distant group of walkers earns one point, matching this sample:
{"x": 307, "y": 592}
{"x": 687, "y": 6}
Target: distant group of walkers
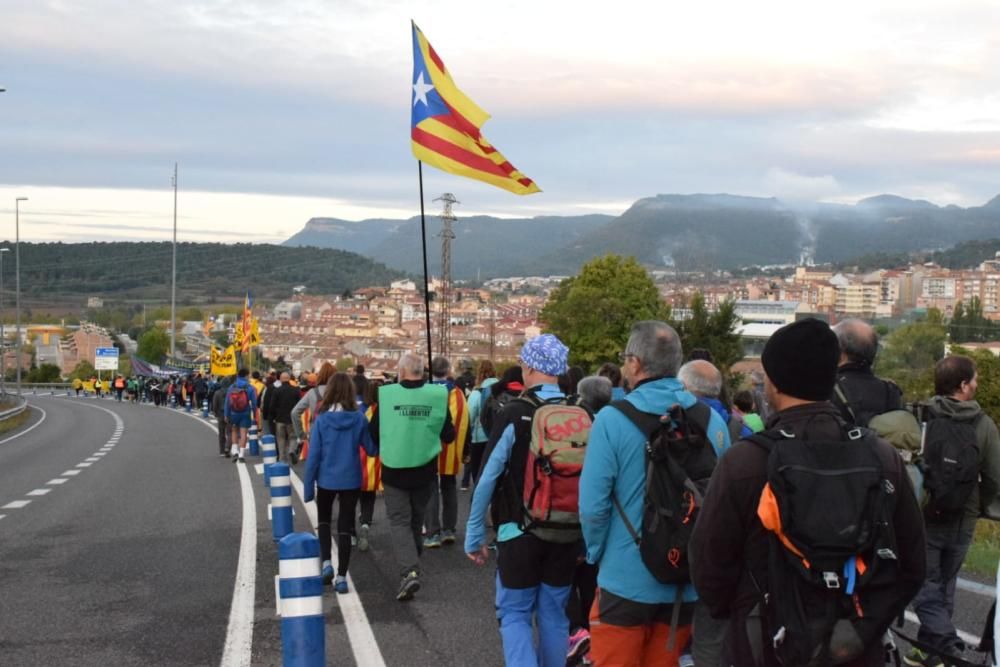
{"x": 650, "y": 514}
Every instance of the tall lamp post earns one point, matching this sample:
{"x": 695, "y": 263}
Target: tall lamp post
{"x": 3, "y": 339}
{"x": 17, "y": 283}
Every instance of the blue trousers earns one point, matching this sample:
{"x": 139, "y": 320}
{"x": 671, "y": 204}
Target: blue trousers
{"x": 517, "y": 609}
{"x": 947, "y": 545}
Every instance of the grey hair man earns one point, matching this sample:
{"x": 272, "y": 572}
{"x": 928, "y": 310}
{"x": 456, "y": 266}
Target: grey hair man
{"x": 858, "y": 394}
{"x": 634, "y": 609}
{"x": 595, "y": 392}
{"x": 704, "y": 380}
{"x": 410, "y": 426}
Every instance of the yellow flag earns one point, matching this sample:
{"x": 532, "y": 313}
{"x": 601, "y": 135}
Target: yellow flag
{"x": 238, "y": 336}
{"x": 254, "y": 333}
{"x": 224, "y": 362}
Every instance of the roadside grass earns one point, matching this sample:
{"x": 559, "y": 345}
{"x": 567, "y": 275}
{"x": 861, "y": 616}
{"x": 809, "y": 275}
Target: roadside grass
{"x": 15, "y": 422}
{"x": 984, "y": 554}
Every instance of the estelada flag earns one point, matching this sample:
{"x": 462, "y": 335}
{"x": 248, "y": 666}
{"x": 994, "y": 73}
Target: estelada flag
{"x": 444, "y": 126}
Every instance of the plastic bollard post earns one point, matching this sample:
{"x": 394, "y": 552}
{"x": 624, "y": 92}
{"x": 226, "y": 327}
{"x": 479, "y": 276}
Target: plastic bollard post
{"x": 269, "y": 451}
{"x": 281, "y": 500}
{"x": 253, "y": 440}
{"x": 190, "y": 404}
{"x": 303, "y": 631}
{"x": 204, "y": 408}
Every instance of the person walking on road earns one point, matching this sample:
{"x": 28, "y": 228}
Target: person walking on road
{"x": 477, "y": 436}
{"x": 442, "y": 511}
{"x": 333, "y": 470}
{"x": 282, "y": 398}
{"x": 956, "y": 423}
{"x": 536, "y": 560}
{"x": 241, "y": 405}
{"x": 219, "y": 410}
{"x": 410, "y": 426}
{"x": 304, "y": 411}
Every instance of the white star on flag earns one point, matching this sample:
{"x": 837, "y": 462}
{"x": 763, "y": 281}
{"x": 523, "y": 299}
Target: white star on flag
{"x": 420, "y": 90}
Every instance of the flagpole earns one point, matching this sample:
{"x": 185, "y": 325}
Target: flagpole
{"x": 423, "y": 239}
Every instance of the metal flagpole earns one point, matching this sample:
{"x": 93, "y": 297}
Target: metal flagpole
{"x": 423, "y": 239}
{"x": 173, "y": 279}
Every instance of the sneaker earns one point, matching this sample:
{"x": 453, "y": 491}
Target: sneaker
{"x": 432, "y": 541}
{"x": 918, "y": 658}
{"x": 293, "y": 457}
{"x": 354, "y": 540}
{"x": 363, "y": 544}
{"x": 448, "y": 537}
{"x": 340, "y": 585}
{"x": 241, "y": 460}
{"x": 579, "y": 646}
{"x": 408, "y": 586}
{"x": 327, "y": 573}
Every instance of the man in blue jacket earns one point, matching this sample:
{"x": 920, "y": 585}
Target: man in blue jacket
{"x": 241, "y": 404}
{"x": 631, "y": 618}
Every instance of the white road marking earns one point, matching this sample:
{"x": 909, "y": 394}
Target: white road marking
{"x": 72, "y": 472}
{"x": 30, "y": 428}
{"x": 38, "y": 492}
{"x": 239, "y": 633}
{"x": 100, "y": 453}
{"x": 2, "y": 516}
{"x": 359, "y": 630}
{"x": 84, "y": 465}
{"x": 92, "y": 459}
{"x": 15, "y": 505}
{"x": 968, "y": 638}
{"x": 57, "y": 480}
{"x": 977, "y": 588}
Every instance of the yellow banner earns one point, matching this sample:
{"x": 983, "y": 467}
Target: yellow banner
{"x": 254, "y": 333}
{"x": 238, "y": 335}
{"x": 224, "y": 362}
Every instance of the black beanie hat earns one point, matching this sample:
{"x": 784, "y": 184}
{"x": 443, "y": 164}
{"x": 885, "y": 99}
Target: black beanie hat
{"x": 801, "y": 359}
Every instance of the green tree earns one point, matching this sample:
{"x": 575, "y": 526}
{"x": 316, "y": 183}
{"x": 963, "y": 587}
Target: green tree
{"x": 909, "y": 354}
{"x": 715, "y": 332}
{"x": 44, "y": 373}
{"x": 84, "y": 370}
{"x": 153, "y": 345}
{"x": 969, "y": 324}
{"x": 593, "y": 312}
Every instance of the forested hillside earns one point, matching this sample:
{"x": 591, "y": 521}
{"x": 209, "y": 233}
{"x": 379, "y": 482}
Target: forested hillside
{"x": 50, "y": 271}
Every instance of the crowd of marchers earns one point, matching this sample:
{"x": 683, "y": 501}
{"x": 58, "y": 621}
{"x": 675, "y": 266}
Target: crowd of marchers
{"x": 644, "y": 516}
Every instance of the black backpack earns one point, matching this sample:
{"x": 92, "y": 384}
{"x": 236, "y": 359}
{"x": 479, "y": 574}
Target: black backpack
{"x": 832, "y": 563}
{"x": 679, "y": 462}
{"x": 950, "y": 466}
{"x": 492, "y": 407}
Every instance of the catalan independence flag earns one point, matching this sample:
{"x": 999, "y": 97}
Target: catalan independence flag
{"x": 444, "y": 127}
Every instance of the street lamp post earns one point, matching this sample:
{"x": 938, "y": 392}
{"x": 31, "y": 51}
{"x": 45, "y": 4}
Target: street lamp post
{"x": 3, "y": 339}
{"x": 17, "y": 283}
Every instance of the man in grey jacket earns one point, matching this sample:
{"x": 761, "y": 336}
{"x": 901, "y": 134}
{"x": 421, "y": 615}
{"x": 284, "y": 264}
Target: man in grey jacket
{"x": 955, "y": 383}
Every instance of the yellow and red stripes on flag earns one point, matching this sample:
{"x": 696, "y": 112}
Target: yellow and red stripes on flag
{"x": 247, "y": 310}
{"x": 445, "y": 126}
{"x": 371, "y": 466}
{"x": 450, "y": 458}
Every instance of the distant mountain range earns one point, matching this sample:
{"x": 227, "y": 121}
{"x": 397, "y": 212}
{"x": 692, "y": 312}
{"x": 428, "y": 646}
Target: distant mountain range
{"x": 689, "y": 232}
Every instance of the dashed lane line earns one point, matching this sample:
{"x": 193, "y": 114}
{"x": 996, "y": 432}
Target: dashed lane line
{"x": 85, "y": 464}
{"x": 16, "y": 504}
{"x": 57, "y": 481}
{"x": 38, "y": 492}
{"x": 72, "y": 472}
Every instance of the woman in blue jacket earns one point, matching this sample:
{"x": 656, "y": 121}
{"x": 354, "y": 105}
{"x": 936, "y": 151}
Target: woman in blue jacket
{"x": 333, "y": 470}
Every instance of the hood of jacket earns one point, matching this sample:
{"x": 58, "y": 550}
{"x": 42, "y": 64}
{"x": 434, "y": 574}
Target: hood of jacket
{"x": 654, "y": 396}
{"x": 945, "y": 406}
{"x": 342, "y": 420}
{"x": 447, "y": 382}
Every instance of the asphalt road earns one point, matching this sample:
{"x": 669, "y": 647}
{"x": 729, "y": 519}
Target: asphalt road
{"x": 132, "y": 560}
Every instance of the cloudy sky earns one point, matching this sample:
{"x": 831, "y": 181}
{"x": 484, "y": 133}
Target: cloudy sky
{"x": 278, "y": 111}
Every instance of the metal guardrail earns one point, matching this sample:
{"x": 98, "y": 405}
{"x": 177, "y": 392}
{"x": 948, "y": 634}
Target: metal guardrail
{"x": 16, "y": 410}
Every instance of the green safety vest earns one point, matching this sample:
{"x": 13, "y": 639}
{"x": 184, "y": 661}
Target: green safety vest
{"x": 410, "y": 422}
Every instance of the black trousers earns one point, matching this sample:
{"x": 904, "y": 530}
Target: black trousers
{"x": 345, "y": 524}
{"x": 367, "y": 507}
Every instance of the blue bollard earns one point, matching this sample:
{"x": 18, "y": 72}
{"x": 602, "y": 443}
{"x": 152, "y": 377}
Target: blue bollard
{"x": 253, "y": 440}
{"x": 303, "y": 627}
{"x": 281, "y": 500}
{"x": 204, "y": 408}
{"x": 190, "y": 404}
{"x": 269, "y": 451}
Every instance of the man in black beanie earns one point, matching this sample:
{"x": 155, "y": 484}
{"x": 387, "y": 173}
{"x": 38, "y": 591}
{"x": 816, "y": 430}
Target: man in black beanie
{"x": 730, "y": 545}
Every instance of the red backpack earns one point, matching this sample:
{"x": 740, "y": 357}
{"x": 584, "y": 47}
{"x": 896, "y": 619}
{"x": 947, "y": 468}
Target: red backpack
{"x": 239, "y": 401}
{"x": 559, "y": 433}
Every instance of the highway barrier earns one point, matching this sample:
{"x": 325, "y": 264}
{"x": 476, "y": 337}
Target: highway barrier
{"x": 300, "y": 586}
{"x": 204, "y": 408}
{"x": 253, "y": 437}
{"x": 269, "y": 451}
{"x": 281, "y": 500}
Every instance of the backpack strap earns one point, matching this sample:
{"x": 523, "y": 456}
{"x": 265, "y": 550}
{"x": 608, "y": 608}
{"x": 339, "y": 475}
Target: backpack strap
{"x": 841, "y": 396}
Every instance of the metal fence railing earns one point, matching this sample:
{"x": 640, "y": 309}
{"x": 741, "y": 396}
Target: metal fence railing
{"x": 16, "y": 410}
